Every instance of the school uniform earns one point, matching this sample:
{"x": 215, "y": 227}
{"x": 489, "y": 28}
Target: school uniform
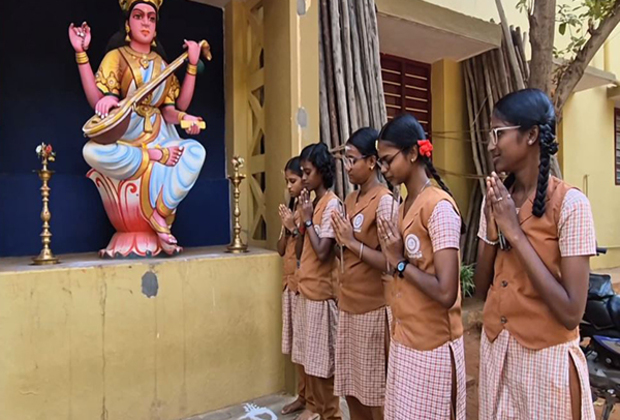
{"x": 289, "y": 305}
{"x": 426, "y": 371}
{"x": 317, "y": 315}
{"x": 363, "y": 329}
{"x": 531, "y": 360}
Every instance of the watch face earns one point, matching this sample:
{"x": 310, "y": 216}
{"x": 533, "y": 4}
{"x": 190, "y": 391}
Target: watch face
{"x": 309, "y": 223}
{"x": 401, "y": 266}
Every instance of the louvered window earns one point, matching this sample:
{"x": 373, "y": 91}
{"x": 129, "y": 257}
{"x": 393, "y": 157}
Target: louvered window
{"x": 407, "y": 87}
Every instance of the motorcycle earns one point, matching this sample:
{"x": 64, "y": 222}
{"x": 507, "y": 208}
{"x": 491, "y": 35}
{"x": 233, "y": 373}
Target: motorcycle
{"x": 600, "y": 339}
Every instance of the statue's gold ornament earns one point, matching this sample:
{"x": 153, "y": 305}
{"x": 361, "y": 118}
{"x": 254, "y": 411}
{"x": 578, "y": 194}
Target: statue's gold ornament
{"x": 126, "y": 4}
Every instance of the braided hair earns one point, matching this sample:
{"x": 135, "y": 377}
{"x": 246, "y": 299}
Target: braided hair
{"x": 404, "y": 132}
{"x": 528, "y": 108}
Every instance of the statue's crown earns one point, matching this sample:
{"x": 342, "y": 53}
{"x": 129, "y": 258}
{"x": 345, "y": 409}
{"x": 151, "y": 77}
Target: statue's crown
{"x": 126, "y": 5}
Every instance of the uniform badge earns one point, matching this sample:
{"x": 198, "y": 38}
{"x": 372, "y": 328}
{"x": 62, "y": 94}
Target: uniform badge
{"x": 412, "y": 245}
{"x": 358, "y": 222}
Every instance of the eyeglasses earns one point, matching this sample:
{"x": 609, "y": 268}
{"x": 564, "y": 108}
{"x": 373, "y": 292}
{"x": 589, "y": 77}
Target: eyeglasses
{"x": 495, "y": 133}
{"x": 384, "y": 163}
{"x": 349, "y": 162}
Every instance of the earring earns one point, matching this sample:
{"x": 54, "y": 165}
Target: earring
{"x": 127, "y": 30}
{"x": 154, "y": 43}
{"x": 372, "y": 167}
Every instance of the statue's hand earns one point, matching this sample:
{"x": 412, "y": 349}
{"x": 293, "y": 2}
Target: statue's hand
{"x": 193, "y": 51}
{"x": 80, "y": 37}
{"x": 194, "y": 130}
{"x": 105, "y": 104}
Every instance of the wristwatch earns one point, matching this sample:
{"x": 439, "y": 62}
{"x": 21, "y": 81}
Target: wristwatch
{"x": 295, "y": 233}
{"x": 308, "y": 224}
{"x": 400, "y": 268}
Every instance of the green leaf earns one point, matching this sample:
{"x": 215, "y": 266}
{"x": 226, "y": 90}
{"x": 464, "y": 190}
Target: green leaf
{"x": 563, "y": 28}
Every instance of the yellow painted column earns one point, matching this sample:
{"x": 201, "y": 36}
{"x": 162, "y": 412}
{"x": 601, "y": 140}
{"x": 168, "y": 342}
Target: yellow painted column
{"x": 236, "y": 82}
{"x": 291, "y": 93}
{"x": 452, "y": 149}
{"x": 291, "y": 102}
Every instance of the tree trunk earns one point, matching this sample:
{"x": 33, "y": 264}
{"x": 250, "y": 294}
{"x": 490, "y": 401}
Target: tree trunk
{"x": 542, "y": 34}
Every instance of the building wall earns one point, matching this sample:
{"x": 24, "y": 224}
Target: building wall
{"x": 87, "y": 342}
{"x": 588, "y": 163}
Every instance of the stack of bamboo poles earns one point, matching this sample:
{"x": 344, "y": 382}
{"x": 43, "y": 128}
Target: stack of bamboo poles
{"x": 351, "y": 86}
{"x": 488, "y": 77}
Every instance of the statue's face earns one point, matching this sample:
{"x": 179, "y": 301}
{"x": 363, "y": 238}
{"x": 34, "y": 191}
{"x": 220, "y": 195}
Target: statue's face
{"x": 143, "y": 23}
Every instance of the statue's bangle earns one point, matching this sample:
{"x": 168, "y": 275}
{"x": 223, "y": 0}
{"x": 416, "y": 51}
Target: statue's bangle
{"x": 181, "y": 116}
{"x": 165, "y": 155}
{"x": 192, "y": 69}
{"x": 81, "y": 57}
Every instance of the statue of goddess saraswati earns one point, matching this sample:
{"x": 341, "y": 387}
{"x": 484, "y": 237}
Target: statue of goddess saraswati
{"x": 144, "y": 174}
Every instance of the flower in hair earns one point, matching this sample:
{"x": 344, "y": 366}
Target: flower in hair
{"x": 426, "y": 147}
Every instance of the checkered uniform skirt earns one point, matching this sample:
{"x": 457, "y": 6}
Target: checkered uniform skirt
{"x": 289, "y": 300}
{"x": 519, "y": 383}
{"x": 361, "y": 362}
{"x": 314, "y": 336}
{"x": 419, "y": 383}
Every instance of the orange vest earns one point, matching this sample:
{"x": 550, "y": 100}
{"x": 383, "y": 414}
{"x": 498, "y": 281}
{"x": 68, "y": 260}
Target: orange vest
{"x": 361, "y": 286}
{"x": 420, "y": 322}
{"x": 512, "y": 301}
{"x": 290, "y": 260}
{"x": 315, "y": 277}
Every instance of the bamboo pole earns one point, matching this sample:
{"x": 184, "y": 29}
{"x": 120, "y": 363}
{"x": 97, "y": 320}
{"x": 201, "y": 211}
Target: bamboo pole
{"x": 341, "y": 93}
{"x": 512, "y": 55}
{"x": 503, "y": 78}
{"x": 470, "y": 111}
{"x": 519, "y": 42}
{"x": 376, "y": 60}
{"x": 323, "y": 107}
{"x": 331, "y": 101}
{"x": 360, "y": 89}
{"x": 348, "y": 65}
{"x": 371, "y": 87}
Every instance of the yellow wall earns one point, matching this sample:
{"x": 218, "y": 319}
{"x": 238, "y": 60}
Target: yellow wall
{"x": 588, "y": 137}
{"x": 451, "y": 150}
{"x": 86, "y": 343}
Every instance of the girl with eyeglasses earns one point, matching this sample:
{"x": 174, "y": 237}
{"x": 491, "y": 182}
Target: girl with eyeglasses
{"x": 363, "y": 331}
{"x": 426, "y": 369}
{"x": 536, "y": 283}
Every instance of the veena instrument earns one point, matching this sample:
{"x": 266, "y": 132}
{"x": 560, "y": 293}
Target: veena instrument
{"x": 110, "y": 129}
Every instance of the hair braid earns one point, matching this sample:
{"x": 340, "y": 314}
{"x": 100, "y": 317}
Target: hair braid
{"x": 548, "y": 148}
{"x": 433, "y": 172}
